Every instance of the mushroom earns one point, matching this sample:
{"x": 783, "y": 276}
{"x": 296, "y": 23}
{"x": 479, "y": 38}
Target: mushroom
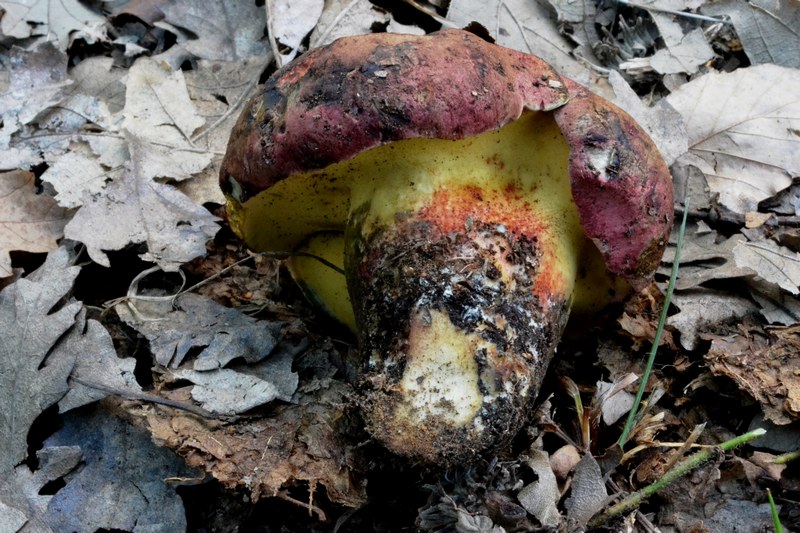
{"x": 472, "y": 197}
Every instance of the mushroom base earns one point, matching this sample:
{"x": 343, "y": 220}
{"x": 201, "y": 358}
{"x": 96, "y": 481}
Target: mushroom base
{"x": 455, "y": 333}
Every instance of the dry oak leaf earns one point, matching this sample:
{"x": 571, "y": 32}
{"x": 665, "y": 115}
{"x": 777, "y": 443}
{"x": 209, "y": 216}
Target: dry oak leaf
{"x": 744, "y": 131}
{"x": 767, "y": 369}
{"x": 33, "y": 375}
{"x": 30, "y": 222}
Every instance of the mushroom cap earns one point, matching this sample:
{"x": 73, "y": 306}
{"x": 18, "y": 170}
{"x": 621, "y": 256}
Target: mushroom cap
{"x": 357, "y": 93}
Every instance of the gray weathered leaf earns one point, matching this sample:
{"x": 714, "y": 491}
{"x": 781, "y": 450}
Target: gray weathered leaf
{"x": 700, "y": 308}
{"x": 31, "y": 377}
{"x": 291, "y": 21}
{"x": 196, "y": 321}
{"x": 121, "y": 483}
{"x": 97, "y": 367}
{"x": 31, "y": 18}
{"x": 225, "y": 30}
{"x": 526, "y": 25}
{"x": 588, "y": 491}
{"x": 20, "y": 492}
{"x": 540, "y": 498}
{"x": 686, "y": 56}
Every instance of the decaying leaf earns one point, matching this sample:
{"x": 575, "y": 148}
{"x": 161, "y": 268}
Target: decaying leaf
{"x": 291, "y": 21}
{"x": 22, "y": 502}
{"x": 686, "y": 56}
{"x": 304, "y": 443}
{"x": 97, "y": 368}
{"x": 38, "y": 80}
{"x": 742, "y": 129}
{"x": 31, "y": 222}
{"x": 159, "y": 112}
{"x": 342, "y": 18}
{"x": 74, "y": 175}
{"x": 137, "y": 209}
{"x": 524, "y": 25}
{"x": 588, "y": 491}
{"x": 121, "y": 482}
{"x": 767, "y": 368}
{"x": 231, "y": 392}
{"x": 540, "y": 498}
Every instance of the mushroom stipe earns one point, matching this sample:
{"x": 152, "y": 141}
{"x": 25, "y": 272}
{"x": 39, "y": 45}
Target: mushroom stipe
{"x": 473, "y": 197}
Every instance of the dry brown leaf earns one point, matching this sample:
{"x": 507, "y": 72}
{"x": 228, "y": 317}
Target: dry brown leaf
{"x": 302, "y": 443}
{"x": 768, "y": 369}
{"x": 31, "y": 222}
{"x": 743, "y": 131}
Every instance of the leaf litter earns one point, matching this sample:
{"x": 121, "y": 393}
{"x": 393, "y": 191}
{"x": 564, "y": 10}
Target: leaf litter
{"x": 111, "y": 135}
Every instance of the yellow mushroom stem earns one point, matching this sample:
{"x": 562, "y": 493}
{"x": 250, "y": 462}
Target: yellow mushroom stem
{"x": 463, "y": 259}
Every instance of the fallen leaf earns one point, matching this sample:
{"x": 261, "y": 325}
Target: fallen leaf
{"x": 588, "y": 491}
{"x": 528, "y": 26}
{"x": 540, "y": 498}
{"x": 231, "y": 392}
{"x": 33, "y": 18}
{"x": 159, "y": 111}
{"x": 31, "y": 222}
{"x": 742, "y": 129}
{"x": 701, "y": 309}
{"x": 776, "y": 306}
{"x": 74, "y": 175}
{"x": 291, "y": 22}
{"x": 198, "y": 322}
{"x": 225, "y": 30}
{"x": 121, "y": 483}
{"x": 342, "y": 18}
{"x": 774, "y": 263}
{"x": 98, "y": 370}
{"x": 304, "y": 444}
{"x": 23, "y": 502}
{"x": 686, "y": 56}
{"x": 38, "y": 81}
{"x": 33, "y": 376}
{"x": 768, "y": 369}
{"x": 135, "y": 209}
{"x": 769, "y": 30}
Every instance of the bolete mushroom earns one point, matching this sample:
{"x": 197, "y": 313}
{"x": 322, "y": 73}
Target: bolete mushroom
{"x": 473, "y": 197}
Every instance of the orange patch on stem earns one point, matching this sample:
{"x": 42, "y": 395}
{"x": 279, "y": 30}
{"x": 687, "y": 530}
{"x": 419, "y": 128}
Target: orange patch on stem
{"x": 459, "y": 210}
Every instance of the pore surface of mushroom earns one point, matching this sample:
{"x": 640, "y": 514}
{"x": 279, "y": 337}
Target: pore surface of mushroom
{"x": 473, "y": 198}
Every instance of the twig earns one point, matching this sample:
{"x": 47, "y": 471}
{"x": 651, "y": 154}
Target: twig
{"x": 633, "y": 500}
{"x": 149, "y": 398}
{"x": 657, "y": 9}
